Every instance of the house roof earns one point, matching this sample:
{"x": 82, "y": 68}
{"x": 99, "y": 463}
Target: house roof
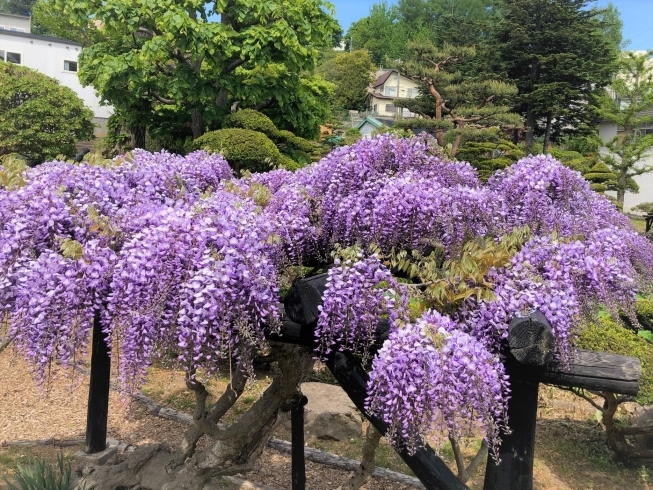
{"x": 41, "y": 38}
{"x": 7, "y": 14}
{"x": 374, "y": 122}
{"x": 379, "y": 95}
{"x": 381, "y": 79}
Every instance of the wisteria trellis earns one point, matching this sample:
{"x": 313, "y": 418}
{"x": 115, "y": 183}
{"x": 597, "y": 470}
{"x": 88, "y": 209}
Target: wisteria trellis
{"x": 179, "y": 256}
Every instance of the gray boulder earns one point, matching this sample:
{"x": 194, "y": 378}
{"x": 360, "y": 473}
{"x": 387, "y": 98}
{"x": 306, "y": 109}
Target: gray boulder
{"x": 329, "y": 414}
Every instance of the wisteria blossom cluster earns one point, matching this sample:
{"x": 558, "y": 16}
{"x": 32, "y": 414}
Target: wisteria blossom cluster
{"x": 173, "y": 254}
{"x": 431, "y": 378}
{"x": 365, "y": 291}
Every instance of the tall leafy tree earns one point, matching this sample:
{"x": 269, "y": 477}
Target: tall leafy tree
{"x": 381, "y": 34}
{"x": 628, "y": 105}
{"x": 351, "y": 73}
{"x": 173, "y": 54}
{"x": 17, "y": 7}
{"x": 47, "y": 20}
{"x": 558, "y": 55}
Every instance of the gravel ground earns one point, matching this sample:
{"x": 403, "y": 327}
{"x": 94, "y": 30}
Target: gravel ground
{"x": 28, "y": 412}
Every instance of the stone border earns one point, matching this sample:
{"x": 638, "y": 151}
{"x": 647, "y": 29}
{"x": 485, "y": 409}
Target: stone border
{"x": 310, "y": 454}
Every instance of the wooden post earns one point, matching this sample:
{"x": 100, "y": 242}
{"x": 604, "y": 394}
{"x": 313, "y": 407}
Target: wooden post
{"x": 515, "y": 470}
{"x": 98, "y": 392}
{"x": 297, "y": 440}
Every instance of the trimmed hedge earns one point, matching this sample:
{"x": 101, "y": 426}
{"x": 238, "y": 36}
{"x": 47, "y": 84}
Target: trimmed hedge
{"x": 244, "y": 149}
{"x": 252, "y": 120}
{"x": 489, "y": 156}
{"x": 606, "y": 335}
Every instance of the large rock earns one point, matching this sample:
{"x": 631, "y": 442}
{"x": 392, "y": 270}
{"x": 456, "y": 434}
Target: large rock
{"x": 329, "y": 414}
{"x": 644, "y": 420}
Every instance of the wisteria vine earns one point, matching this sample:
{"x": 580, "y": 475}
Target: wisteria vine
{"x": 175, "y": 255}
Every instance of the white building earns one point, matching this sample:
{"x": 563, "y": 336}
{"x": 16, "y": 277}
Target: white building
{"x": 56, "y": 58}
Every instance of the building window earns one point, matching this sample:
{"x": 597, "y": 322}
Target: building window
{"x": 16, "y": 29}
{"x": 391, "y": 91}
{"x": 70, "y": 65}
{"x": 375, "y": 107}
{"x": 411, "y": 93}
{"x": 10, "y": 57}
{"x": 390, "y": 108}
{"x": 2, "y": 28}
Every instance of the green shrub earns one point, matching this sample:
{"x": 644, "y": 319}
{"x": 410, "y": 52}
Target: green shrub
{"x": 244, "y": 149}
{"x": 573, "y": 159}
{"x": 252, "y": 120}
{"x": 40, "y": 475}
{"x": 295, "y": 142}
{"x": 606, "y": 335}
{"x": 645, "y": 207}
{"x": 644, "y": 308}
{"x": 489, "y": 156}
{"x": 39, "y": 117}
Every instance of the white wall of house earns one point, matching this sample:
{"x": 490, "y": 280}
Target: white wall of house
{"x": 408, "y": 88}
{"x": 17, "y": 23}
{"x": 56, "y": 58}
{"x": 607, "y": 131}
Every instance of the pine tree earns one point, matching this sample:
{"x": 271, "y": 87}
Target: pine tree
{"x": 601, "y": 177}
{"x": 460, "y": 101}
{"x": 629, "y": 107}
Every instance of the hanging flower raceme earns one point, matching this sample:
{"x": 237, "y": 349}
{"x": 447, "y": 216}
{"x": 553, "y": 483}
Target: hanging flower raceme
{"x": 358, "y": 294}
{"x": 430, "y": 378}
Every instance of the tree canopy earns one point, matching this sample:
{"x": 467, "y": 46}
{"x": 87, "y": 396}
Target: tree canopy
{"x": 159, "y": 53}
{"x": 452, "y": 99}
{"x": 558, "y": 55}
{"x": 39, "y": 118}
{"x": 351, "y": 73}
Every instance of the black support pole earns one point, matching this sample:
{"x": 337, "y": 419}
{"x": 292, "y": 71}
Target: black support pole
{"x": 515, "y": 471}
{"x": 98, "y": 392}
{"x": 297, "y": 439}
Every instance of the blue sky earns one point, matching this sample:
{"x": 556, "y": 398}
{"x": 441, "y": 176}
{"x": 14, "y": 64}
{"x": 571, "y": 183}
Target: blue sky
{"x": 636, "y": 14}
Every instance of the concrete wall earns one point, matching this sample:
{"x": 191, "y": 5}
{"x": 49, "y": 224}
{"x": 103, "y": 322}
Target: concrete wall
{"x": 607, "y": 131}
{"x": 47, "y": 55}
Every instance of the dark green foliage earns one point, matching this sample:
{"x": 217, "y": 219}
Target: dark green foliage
{"x": 39, "y": 118}
{"x": 605, "y": 335}
{"x": 558, "y": 55}
{"x": 601, "y": 177}
{"x": 573, "y": 159}
{"x": 252, "y": 120}
{"x": 630, "y": 148}
{"x": 17, "y": 7}
{"x": 644, "y": 308}
{"x": 470, "y": 102}
{"x": 244, "y": 149}
{"x": 293, "y": 147}
{"x": 351, "y": 73}
{"x": 288, "y": 139}
{"x": 489, "y": 156}
{"x": 40, "y": 475}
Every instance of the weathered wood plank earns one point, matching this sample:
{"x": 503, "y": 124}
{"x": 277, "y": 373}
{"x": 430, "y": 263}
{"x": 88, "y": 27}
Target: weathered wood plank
{"x": 597, "y": 371}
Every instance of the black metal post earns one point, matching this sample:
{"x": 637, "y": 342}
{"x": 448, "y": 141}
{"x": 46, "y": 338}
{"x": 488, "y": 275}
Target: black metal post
{"x": 297, "y": 439}
{"x": 98, "y": 391}
{"x": 649, "y": 222}
{"x": 517, "y": 450}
